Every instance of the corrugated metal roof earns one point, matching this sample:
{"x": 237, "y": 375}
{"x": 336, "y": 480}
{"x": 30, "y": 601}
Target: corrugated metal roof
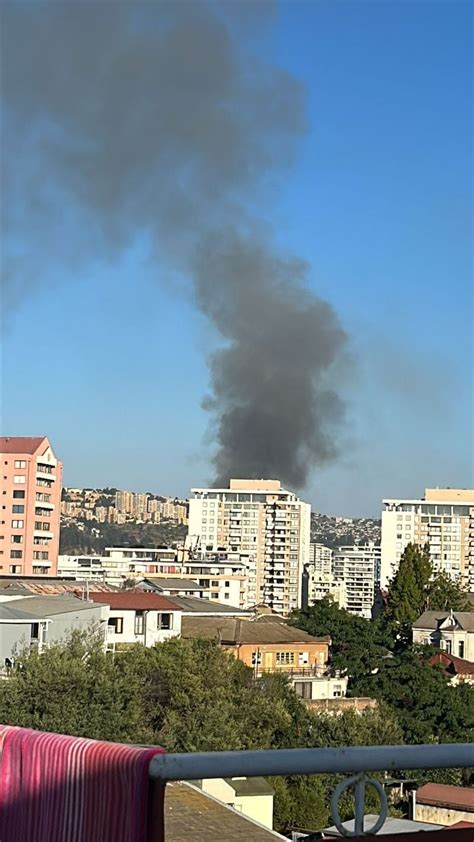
{"x": 46, "y": 606}
{"x": 233, "y": 631}
{"x": 134, "y": 600}
{"x": 160, "y": 584}
{"x": 196, "y": 605}
{"x": 445, "y": 795}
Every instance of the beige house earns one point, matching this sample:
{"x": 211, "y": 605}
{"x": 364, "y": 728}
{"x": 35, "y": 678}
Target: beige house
{"x": 268, "y": 644}
{"x": 251, "y": 796}
{"x": 443, "y": 804}
{"x": 450, "y": 631}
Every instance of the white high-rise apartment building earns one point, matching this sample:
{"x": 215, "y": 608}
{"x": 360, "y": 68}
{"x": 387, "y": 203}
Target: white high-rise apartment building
{"x": 263, "y": 520}
{"x": 357, "y": 568}
{"x": 320, "y": 559}
{"x": 444, "y": 519}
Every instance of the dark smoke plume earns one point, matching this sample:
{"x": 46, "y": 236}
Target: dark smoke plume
{"x": 151, "y": 117}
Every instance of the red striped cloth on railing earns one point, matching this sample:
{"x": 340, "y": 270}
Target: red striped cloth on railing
{"x": 56, "y": 788}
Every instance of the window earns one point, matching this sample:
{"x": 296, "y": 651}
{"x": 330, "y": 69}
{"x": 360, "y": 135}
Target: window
{"x": 448, "y": 647}
{"x": 226, "y": 596}
{"x": 461, "y": 649}
{"x": 15, "y": 568}
{"x": 116, "y": 624}
{"x": 256, "y": 658}
{"x": 17, "y": 524}
{"x": 17, "y": 539}
{"x": 18, "y": 510}
{"x": 303, "y": 689}
{"x": 164, "y": 621}
{"x": 16, "y": 553}
{"x": 337, "y": 691}
{"x": 19, "y": 479}
{"x": 20, "y": 463}
{"x": 303, "y": 658}
{"x": 18, "y": 495}
{"x": 283, "y": 658}
{"x": 39, "y": 570}
{"x": 139, "y": 622}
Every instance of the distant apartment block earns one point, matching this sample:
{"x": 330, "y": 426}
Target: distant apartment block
{"x": 263, "y": 520}
{"x": 124, "y": 501}
{"x": 320, "y": 558}
{"x": 31, "y": 495}
{"x": 444, "y": 519}
{"x": 358, "y": 569}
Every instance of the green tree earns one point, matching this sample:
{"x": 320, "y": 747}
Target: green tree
{"x": 444, "y": 593}
{"x": 355, "y": 642}
{"x": 426, "y": 706}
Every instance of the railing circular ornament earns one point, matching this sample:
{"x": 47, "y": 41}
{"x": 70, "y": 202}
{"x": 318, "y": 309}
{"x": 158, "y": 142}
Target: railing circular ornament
{"x": 359, "y": 782}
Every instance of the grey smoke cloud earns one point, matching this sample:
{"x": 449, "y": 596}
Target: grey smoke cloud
{"x": 153, "y": 117}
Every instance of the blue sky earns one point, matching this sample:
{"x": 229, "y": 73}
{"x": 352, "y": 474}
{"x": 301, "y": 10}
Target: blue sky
{"x": 380, "y": 202}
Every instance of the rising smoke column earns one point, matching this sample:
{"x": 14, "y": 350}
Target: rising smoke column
{"x": 152, "y": 117}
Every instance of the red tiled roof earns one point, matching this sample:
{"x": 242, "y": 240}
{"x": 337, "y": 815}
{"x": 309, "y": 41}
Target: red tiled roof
{"x": 444, "y": 795}
{"x": 135, "y": 600}
{"x": 20, "y": 444}
{"x": 460, "y": 665}
{"x": 461, "y": 824}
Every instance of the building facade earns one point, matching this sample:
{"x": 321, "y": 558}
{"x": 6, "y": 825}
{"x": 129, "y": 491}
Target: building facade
{"x": 320, "y": 559}
{"x": 450, "y": 631}
{"x": 31, "y": 497}
{"x": 443, "y": 519}
{"x": 263, "y": 520}
{"x": 357, "y": 570}
{"x": 139, "y": 617}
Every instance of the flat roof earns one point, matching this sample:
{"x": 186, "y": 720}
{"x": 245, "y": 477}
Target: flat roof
{"x": 45, "y": 606}
{"x": 197, "y": 605}
{"x": 135, "y": 600}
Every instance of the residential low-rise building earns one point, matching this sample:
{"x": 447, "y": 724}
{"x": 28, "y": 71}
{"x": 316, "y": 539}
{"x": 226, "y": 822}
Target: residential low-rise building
{"x": 253, "y": 797}
{"x": 37, "y": 621}
{"x": 443, "y": 804}
{"x": 267, "y": 644}
{"x": 138, "y": 617}
{"x": 450, "y": 631}
{"x": 458, "y": 670}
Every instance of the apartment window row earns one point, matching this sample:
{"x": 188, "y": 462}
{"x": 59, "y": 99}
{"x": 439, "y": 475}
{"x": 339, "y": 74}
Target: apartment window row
{"x": 18, "y": 510}
{"x": 19, "y": 479}
{"x": 16, "y": 553}
{"x": 18, "y": 495}
{"x": 44, "y": 469}
{"x": 17, "y": 539}
{"x": 42, "y": 527}
{"x": 15, "y": 568}
{"x": 45, "y": 483}
{"x": 40, "y": 554}
{"x": 20, "y": 463}
{"x": 45, "y": 498}
{"x": 18, "y": 524}
{"x": 40, "y": 512}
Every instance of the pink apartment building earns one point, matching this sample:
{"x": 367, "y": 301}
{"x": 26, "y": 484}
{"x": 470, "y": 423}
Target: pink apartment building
{"x": 30, "y": 502}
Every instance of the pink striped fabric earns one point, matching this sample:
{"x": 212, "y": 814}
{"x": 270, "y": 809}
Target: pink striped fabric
{"x": 55, "y": 788}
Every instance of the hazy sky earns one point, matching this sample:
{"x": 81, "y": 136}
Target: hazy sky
{"x": 109, "y": 359}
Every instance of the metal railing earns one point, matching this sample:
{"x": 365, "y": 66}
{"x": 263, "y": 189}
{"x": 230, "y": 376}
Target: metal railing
{"x": 353, "y": 761}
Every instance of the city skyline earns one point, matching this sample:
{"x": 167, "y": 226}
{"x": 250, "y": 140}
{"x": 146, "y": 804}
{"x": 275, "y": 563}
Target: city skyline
{"x": 385, "y": 225}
